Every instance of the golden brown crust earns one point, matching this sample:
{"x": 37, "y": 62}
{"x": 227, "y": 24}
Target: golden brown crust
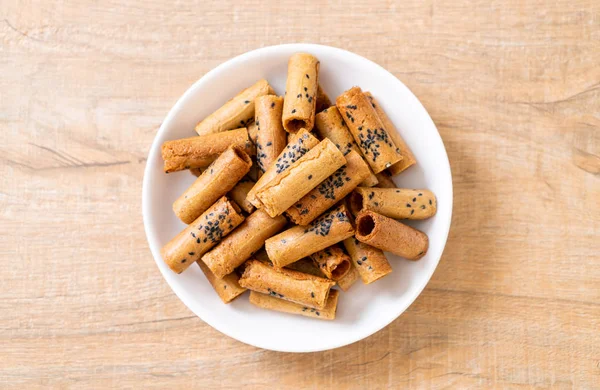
{"x": 228, "y": 288}
{"x": 390, "y": 235}
{"x": 329, "y": 124}
{"x": 239, "y": 111}
{"x": 271, "y": 137}
{"x": 369, "y": 261}
{"x": 286, "y": 284}
{"x": 301, "y": 241}
{"x": 298, "y": 146}
{"x": 301, "y": 92}
{"x": 201, "y": 151}
{"x": 367, "y": 129}
{"x": 332, "y": 261}
{"x": 350, "y": 278}
{"x": 300, "y": 178}
{"x": 201, "y": 235}
{"x": 398, "y": 203}
{"x": 243, "y": 242}
{"x": 330, "y": 191}
{"x": 408, "y": 158}
{"x": 271, "y": 303}
{"x": 220, "y": 177}
{"x": 239, "y": 193}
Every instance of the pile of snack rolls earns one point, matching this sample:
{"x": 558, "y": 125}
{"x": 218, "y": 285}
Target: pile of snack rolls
{"x": 294, "y": 195}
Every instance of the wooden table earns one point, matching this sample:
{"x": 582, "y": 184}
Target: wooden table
{"x": 513, "y": 86}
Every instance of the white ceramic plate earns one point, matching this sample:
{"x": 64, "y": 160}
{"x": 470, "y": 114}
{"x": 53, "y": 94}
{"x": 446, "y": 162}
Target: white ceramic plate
{"x": 363, "y": 310}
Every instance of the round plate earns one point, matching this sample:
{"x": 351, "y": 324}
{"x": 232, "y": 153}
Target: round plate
{"x": 363, "y": 310}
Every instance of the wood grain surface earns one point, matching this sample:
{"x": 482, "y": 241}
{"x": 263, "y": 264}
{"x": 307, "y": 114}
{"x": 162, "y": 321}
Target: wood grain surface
{"x": 513, "y": 86}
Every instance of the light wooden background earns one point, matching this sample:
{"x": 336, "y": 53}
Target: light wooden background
{"x": 513, "y": 86}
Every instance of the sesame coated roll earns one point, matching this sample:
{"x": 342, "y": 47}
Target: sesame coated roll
{"x": 243, "y": 242}
{"x": 239, "y": 193}
{"x": 271, "y": 138}
{"x": 367, "y": 129}
{"x": 271, "y": 303}
{"x": 220, "y": 177}
{"x": 390, "y": 235}
{"x": 201, "y": 235}
{"x": 301, "y": 241}
{"x": 329, "y": 124}
{"x": 385, "y": 180}
{"x": 349, "y": 279}
{"x": 199, "y": 152}
{"x": 293, "y": 286}
{"x": 323, "y": 100}
{"x": 369, "y": 261}
{"x": 408, "y": 158}
{"x": 301, "y": 92}
{"x": 228, "y": 288}
{"x": 300, "y": 178}
{"x": 307, "y": 266}
{"x": 398, "y": 203}
{"x": 330, "y": 191}
{"x": 332, "y": 261}
{"x": 239, "y": 111}
{"x": 299, "y": 145}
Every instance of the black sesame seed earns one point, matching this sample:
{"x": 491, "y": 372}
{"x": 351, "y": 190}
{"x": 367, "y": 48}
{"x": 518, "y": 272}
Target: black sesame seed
{"x": 414, "y": 199}
{"x": 412, "y": 211}
{"x": 246, "y": 101}
{"x": 420, "y": 194}
{"x": 309, "y": 177}
{"x": 293, "y": 111}
{"x": 408, "y": 205}
{"x": 312, "y": 294}
{"x": 423, "y": 207}
{"x": 307, "y": 77}
{"x": 430, "y": 202}
{"x": 317, "y": 313}
{"x": 183, "y": 261}
{"x": 272, "y": 105}
{"x": 191, "y": 253}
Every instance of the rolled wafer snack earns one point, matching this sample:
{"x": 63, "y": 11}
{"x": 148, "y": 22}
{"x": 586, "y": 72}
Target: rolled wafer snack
{"x": 408, "y": 158}
{"x": 330, "y": 191}
{"x": 294, "y": 286}
{"x": 301, "y": 177}
{"x": 253, "y": 132}
{"x": 300, "y": 92}
{"x": 228, "y": 288}
{"x": 332, "y": 261}
{"x": 349, "y": 279}
{"x": 323, "y": 100}
{"x": 390, "y": 235}
{"x": 301, "y": 241}
{"x": 200, "y": 152}
{"x": 270, "y": 302}
{"x": 385, "y": 180}
{"x": 243, "y": 242}
{"x": 271, "y": 138}
{"x": 239, "y": 193}
{"x": 239, "y": 111}
{"x": 367, "y": 129}
{"x": 220, "y": 177}
{"x": 307, "y": 266}
{"x": 299, "y": 145}
{"x": 398, "y": 203}
{"x": 329, "y": 124}
{"x": 369, "y": 261}
{"x": 201, "y": 235}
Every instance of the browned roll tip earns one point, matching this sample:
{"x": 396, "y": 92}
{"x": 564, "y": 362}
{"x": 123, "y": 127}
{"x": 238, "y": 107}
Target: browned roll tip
{"x": 390, "y": 235}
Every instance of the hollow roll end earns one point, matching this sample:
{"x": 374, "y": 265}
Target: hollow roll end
{"x": 293, "y": 125}
{"x": 365, "y": 225}
{"x": 356, "y": 202}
